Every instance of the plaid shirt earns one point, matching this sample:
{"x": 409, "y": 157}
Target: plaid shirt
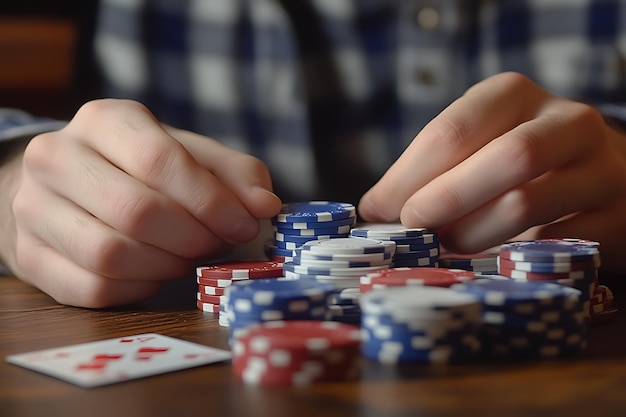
{"x": 329, "y": 92}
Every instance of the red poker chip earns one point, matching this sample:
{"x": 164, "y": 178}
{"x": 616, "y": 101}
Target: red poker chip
{"x": 300, "y": 334}
{"x": 206, "y": 289}
{"x": 241, "y": 270}
{"x": 214, "y": 282}
{"x": 212, "y": 299}
{"x": 208, "y": 307}
{"x": 399, "y": 277}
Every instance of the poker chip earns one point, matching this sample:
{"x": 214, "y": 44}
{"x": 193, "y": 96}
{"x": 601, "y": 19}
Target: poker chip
{"x": 209, "y": 290}
{"x": 547, "y": 267}
{"x": 208, "y": 307}
{"x": 315, "y": 225}
{"x": 317, "y": 231}
{"x": 394, "y": 277}
{"x": 384, "y": 230}
{"x": 296, "y": 353}
{"x": 349, "y": 246}
{"x": 241, "y": 270}
{"x": 317, "y": 211}
{"x": 482, "y": 262}
{"x": 419, "y": 324}
{"x": 551, "y": 251}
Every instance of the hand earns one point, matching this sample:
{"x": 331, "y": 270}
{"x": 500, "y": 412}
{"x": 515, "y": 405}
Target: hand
{"x": 508, "y": 160}
{"x": 109, "y": 207}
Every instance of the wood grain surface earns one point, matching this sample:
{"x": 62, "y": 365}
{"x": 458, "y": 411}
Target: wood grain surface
{"x": 591, "y": 385}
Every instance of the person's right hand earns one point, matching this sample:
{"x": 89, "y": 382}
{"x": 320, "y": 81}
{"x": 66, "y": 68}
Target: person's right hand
{"x": 112, "y": 205}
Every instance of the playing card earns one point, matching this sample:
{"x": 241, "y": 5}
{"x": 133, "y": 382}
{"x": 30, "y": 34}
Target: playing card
{"x": 115, "y": 360}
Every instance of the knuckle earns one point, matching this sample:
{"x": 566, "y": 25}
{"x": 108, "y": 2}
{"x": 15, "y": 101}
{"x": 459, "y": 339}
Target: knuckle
{"x": 104, "y": 254}
{"x": 134, "y": 213}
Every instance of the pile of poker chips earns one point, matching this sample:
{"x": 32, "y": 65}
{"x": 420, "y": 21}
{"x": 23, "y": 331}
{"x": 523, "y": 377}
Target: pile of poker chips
{"x": 570, "y": 262}
{"x": 419, "y": 324}
{"x": 528, "y": 319}
{"x": 301, "y": 222}
{"x": 420, "y": 276}
{"x": 280, "y": 299}
{"x": 214, "y": 279}
{"x": 296, "y": 353}
{"x": 483, "y": 263}
{"x": 340, "y": 261}
{"x": 415, "y": 247}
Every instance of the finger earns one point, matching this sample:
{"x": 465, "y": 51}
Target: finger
{"x": 247, "y": 177}
{"x": 592, "y": 225}
{"x": 116, "y": 198}
{"x": 553, "y": 196}
{"x": 70, "y": 284}
{"x": 485, "y": 112}
{"x": 90, "y": 243}
{"x": 159, "y": 161}
{"x": 516, "y": 157}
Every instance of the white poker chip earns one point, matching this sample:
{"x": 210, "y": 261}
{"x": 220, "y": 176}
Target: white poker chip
{"x": 349, "y": 245}
{"x": 378, "y": 230}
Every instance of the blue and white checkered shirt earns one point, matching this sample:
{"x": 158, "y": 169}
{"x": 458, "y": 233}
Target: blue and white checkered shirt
{"x": 329, "y": 92}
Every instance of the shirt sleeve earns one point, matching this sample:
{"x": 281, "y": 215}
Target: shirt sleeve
{"x": 16, "y": 124}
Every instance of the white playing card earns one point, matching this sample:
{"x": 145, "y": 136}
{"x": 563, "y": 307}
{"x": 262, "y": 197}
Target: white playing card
{"x": 115, "y": 360}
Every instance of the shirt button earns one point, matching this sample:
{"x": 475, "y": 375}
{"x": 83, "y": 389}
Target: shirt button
{"x": 428, "y": 18}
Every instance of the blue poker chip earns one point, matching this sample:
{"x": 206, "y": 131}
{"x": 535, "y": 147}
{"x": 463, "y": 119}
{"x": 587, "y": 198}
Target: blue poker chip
{"x": 282, "y": 252}
{"x": 503, "y": 292}
{"x": 315, "y": 211}
{"x": 550, "y": 250}
{"x": 338, "y": 231}
{"x": 280, "y": 237}
{"x": 426, "y": 253}
{"x": 417, "y": 262}
{"x": 314, "y": 225}
{"x": 290, "y": 297}
{"x": 417, "y": 247}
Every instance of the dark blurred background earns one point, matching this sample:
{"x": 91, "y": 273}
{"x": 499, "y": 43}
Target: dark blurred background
{"x": 45, "y": 60}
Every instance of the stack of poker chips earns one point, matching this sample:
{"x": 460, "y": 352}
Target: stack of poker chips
{"x": 402, "y": 277}
{"x": 415, "y": 247}
{"x": 340, "y": 261}
{"x": 528, "y": 319}
{"x": 262, "y": 300}
{"x": 483, "y": 263}
{"x": 214, "y": 279}
{"x": 301, "y": 222}
{"x": 570, "y": 262}
{"x": 419, "y": 324}
{"x": 296, "y": 353}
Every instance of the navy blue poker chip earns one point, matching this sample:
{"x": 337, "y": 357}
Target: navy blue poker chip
{"x": 315, "y": 212}
{"x": 550, "y": 250}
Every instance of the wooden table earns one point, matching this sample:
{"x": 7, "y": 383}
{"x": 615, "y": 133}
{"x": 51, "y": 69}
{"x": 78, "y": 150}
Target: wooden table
{"x": 592, "y": 385}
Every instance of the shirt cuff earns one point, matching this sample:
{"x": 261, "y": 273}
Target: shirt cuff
{"x": 17, "y": 124}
